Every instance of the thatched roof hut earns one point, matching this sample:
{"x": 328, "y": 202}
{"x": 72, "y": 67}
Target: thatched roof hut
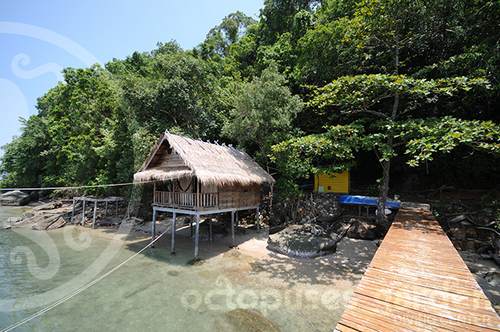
{"x": 200, "y": 178}
{"x": 177, "y": 157}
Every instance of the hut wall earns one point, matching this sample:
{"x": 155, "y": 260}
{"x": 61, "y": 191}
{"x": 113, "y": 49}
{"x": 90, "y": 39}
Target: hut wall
{"x": 239, "y": 196}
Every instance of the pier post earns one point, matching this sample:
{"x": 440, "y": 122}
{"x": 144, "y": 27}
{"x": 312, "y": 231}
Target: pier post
{"x": 95, "y": 214}
{"x": 83, "y": 212}
{"x": 257, "y": 218}
{"x": 210, "y": 229}
{"x": 106, "y": 209}
{"x": 172, "y": 244}
{"x": 196, "y": 236}
{"x": 191, "y": 227}
{"x": 232, "y": 228}
{"x": 153, "y": 227}
{"x": 73, "y": 211}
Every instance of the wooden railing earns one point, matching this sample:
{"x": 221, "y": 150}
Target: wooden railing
{"x": 206, "y": 200}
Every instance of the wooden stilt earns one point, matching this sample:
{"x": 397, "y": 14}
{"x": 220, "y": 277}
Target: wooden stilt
{"x": 257, "y": 218}
{"x": 106, "y": 209}
{"x": 232, "y": 229}
{"x": 210, "y": 229}
{"x": 172, "y": 244}
{"x": 191, "y": 227}
{"x": 116, "y": 209}
{"x": 83, "y": 212}
{"x": 196, "y": 236}
{"x": 73, "y": 211}
{"x": 95, "y": 214}
{"x": 153, "y": 227}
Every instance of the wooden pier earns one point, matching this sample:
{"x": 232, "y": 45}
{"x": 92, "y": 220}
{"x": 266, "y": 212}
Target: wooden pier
{"x": 417, "y": 281}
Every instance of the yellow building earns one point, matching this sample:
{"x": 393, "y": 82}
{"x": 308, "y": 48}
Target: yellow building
{"x": 332, "y": 183}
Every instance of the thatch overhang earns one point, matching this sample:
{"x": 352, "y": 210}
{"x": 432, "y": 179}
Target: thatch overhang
{"x": 176, "y": 157}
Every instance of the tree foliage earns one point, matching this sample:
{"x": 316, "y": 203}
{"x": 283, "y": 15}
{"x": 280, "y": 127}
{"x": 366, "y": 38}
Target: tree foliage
{"x": 409, "y": 81}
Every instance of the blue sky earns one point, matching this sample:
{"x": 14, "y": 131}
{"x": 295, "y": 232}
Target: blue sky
{"x": 38, "y": 38}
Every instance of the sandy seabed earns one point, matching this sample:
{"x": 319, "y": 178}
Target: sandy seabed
{"x": 247, "y": 288}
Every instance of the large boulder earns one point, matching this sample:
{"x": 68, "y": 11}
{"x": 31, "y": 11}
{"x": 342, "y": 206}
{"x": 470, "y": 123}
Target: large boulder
{"x": 298, "y": 241}
{"x": 15, "y": 197}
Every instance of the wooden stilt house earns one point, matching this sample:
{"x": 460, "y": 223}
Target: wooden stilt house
{"x": 197, "y": 178}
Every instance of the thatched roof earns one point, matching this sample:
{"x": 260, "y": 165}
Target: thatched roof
{"x": 176, "y": 157}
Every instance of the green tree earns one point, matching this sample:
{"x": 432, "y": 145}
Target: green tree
{"x": 262, "y": 114}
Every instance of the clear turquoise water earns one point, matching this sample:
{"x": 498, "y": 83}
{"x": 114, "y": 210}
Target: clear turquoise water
{"x": 154, "y": 291}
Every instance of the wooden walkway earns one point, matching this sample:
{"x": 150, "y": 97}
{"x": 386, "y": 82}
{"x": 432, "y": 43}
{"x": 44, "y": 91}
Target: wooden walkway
{"x": 417, "y": 281}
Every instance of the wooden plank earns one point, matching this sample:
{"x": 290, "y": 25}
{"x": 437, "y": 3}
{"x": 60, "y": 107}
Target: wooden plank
{"x": 417, "y": 281}
{"x": 384, "y": 308}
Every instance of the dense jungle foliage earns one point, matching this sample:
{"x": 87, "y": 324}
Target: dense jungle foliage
{"x": 310, "y": 86}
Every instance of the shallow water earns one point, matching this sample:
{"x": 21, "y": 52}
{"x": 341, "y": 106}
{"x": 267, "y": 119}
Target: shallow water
{"x": 156, "y": 290}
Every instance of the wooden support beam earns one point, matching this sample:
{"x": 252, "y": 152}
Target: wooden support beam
{"x": 106, "y": 209}
{"x": 153, "y": 227}
{"x": 210, "y": 229}
{"x": 172, "y": 244}
{"x": 232, "y": 228}
{"x": 83, "y": 213}
{"x": 95, "y": 214}
{"x": 191, "y": 227}
{"x": 257, "y": 218}
{"x": 196, "y": 236}
{"x": 73, "y": 211}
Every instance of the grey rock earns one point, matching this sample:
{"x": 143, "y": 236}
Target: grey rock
{"x": 363, "y": 230}
{"x": 16, "y": 198}
{"x": 297, "y": 241}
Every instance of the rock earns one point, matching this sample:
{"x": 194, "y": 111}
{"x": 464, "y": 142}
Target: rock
{"x": 327, "y": 219}
{"x": 297, "y": 241}
{"x": 48, "y": 206}
{"x": 109, "y": 221}
{"x": 457, "y": 233}
{"x": 60, "y": 222}
{"x": 245, "y": 320}
{"x": 363, "y": 230}
{"x": 43, "y": 222}
{"x": 15, "y": 197}
{"x": 458, "y": 218}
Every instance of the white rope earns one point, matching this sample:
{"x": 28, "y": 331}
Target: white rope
{"x": 79, "y": 290}
{"x": 78, "y": 187}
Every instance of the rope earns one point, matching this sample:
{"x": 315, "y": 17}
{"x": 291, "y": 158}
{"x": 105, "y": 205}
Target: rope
{"x": 79, "y": 290}
{"x": 77, "y": 187}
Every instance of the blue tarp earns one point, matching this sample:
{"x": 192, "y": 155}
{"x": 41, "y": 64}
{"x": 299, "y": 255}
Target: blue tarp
{"x": 366, "y": 201}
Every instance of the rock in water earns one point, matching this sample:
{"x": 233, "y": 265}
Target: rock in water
{"x": 244, "y": 320}
{"x": 297, "y": 241}
{"x": 15, "y": 197}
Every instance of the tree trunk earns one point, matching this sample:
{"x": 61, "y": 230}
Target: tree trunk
{"x": 386, "y": 164}
{"x": 383, "y": 191}
{"x": 386, "y": 169}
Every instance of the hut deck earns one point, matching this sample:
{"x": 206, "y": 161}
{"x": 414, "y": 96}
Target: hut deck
{"x": 417, "y": 281}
